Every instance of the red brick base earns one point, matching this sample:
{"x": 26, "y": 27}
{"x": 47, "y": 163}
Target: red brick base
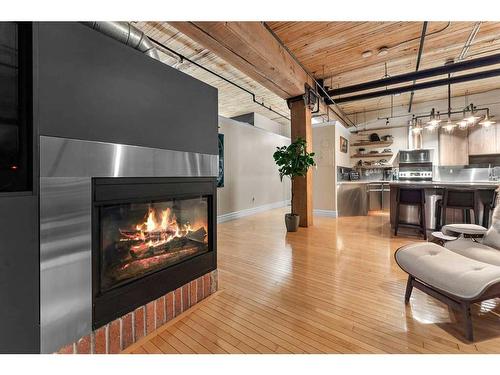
{"x": 123, "y": 332}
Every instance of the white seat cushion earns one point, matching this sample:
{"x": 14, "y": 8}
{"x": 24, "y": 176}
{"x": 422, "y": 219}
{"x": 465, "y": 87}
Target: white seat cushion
{"x": 446, "y": 270}
{"x": 473, "y": 229}
{"x": 475, "y": 250}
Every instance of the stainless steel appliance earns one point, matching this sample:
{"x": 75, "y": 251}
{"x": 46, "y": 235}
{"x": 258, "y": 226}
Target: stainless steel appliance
{"x": 352, "y": 199}
{"x": 415, "y": 165}
{"x": 415, "y": 156}
{"x": 378, "y": 196}
{"x": 416, "y": 174}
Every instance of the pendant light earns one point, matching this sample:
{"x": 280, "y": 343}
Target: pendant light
{"x": 449, "y": 126}
{"x": 472, "y": 118}
{"x": 434, "y": 121}
{"x": 487, "y": 121}
{"x": 463, "y": 123}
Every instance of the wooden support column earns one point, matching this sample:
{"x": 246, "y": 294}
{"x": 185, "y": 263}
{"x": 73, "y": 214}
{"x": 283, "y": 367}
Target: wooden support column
{"x": 302, "y": 186}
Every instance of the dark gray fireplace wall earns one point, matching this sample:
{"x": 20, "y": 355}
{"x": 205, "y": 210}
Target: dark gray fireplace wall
{"x": 92, "y": 87}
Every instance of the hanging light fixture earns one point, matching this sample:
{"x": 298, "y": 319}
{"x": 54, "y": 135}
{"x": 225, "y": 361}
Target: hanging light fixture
{"x": 487, "y": 121}
{"x": 449, "y": 126}
{"x": 472, "y": 118}
{"x": 463, "y": 123}
{"x": 434, "y": 120}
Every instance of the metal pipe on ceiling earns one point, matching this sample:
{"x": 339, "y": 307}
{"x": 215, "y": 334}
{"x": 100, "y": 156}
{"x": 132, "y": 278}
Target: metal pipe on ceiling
{"x": 426, "y": 73}
{"x": 421, "y": 86}
{"x": 419, "y": 57}
{"x": 470, "y": 40}
{"x": 127, "y": 34}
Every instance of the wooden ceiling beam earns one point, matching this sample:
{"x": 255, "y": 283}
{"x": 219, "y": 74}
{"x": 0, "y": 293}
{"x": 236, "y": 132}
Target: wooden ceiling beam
{"x": 253, "y": 50}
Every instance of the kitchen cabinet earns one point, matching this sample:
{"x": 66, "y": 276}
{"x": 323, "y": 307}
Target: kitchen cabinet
{"x": 483, "y": 140}
{"x": 378, "y": 196}
{"x": 352, "y": 199}
{"x": 453, "y": 147}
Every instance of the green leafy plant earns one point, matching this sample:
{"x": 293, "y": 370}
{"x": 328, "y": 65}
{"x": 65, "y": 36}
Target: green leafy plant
{"x": 293, "y": 160}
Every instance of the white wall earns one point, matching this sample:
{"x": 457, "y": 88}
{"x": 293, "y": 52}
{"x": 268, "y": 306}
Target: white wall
{"x": 326, "y": 144}
{"x": 343, "y": 159}
{"x": 251, "y": 179}
{"x": 324, "y": 174}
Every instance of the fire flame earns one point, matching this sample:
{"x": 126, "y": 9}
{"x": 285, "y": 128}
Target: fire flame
{"x": 154, "y": 233}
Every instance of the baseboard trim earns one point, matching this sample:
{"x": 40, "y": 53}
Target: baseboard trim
{"x": 327, "y": 213}
{"x": 250, "y": 211}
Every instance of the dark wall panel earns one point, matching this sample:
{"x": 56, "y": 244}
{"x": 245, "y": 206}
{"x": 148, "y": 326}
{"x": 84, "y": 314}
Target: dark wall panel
{"x": 19, "y": 274}
{"x": 95, "y": 88}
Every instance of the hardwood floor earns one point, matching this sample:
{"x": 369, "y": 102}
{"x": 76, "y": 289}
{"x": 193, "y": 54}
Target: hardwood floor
{"x": 331, "y": 288}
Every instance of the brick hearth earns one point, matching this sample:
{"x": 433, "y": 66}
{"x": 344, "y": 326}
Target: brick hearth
{"x": 119, "y": 334}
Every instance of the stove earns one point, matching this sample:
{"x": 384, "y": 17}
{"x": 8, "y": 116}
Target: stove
{"x": 415, "y": 165}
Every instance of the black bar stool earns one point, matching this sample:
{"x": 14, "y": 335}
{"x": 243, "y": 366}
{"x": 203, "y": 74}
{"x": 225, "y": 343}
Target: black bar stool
{"x": 411, "y": 197}
{"x": 462, "y": 199}
{"x": 488, "y": 208}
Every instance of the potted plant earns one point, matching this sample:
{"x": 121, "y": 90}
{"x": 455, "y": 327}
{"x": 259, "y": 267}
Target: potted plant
{"x": 293, "y": 161}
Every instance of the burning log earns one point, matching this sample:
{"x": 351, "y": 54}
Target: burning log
{"x": 137, "y": 267}
{"x": 140, "y": 235}
{"x": 197, "y": 235}
{"x": 146, "y": 250}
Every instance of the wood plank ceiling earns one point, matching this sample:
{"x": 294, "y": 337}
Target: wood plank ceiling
{"x": 333, "y": 51}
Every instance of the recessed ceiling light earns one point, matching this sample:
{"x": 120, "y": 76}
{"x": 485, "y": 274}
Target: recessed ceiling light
{"x": 383, "y": 51}
{"x": 367, "y": 54}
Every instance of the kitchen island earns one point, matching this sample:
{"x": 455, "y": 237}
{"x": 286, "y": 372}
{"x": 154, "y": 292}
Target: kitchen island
{"x": 434, "y": 192}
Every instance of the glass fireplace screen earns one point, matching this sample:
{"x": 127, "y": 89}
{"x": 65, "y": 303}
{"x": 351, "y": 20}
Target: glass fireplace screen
{"x": 140, "y": 238}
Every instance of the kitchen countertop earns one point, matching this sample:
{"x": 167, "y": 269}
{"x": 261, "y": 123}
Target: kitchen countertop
{"x": 430, "y": 184}
{"x": 361, "y": 182}
{"x": 438, "y": 184}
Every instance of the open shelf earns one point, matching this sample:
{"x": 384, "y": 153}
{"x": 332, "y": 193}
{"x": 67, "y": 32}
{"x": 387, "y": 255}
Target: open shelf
{"x": 385, "y": 166}
{"x": 378, "y": 155}
{"x": 372, "y": 144}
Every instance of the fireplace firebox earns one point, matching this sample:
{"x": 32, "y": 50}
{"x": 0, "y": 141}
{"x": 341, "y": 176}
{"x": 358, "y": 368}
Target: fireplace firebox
{"x": 150, "y": 236}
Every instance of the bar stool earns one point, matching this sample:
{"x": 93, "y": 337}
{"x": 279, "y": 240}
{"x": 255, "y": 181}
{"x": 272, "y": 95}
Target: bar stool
{"x": 488, "y": 208}
{"x": 462, "y": 199}
{"x": 411, "y": 197}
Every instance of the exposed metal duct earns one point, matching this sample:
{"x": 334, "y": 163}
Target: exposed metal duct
{"x": 127, "y": 34}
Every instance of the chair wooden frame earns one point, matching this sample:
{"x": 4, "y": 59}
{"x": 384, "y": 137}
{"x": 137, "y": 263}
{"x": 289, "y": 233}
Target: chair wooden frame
{"x": 458, "y": 303}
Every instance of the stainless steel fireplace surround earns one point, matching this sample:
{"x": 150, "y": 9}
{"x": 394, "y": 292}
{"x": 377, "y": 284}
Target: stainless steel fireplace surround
{"x": 66, "y": 170}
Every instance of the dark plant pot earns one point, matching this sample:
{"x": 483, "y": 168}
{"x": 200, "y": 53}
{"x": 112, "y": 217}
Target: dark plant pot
{"x": 292, "y": 222}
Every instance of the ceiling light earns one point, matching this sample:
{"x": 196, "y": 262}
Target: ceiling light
{"x": 431, "y": 126}
{"x": 471, "y": 119}
{"x": 382, "y": 51}
{"x": 463, "y": 124}
{"x": 366, "y": 54}
{"x": 487, "y": 121}
{"x": 449, "y": 126}
{"x": 434, "y": 120}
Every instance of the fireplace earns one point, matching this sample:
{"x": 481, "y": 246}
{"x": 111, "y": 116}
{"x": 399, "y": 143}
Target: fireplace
{"x": 150, "y": 236}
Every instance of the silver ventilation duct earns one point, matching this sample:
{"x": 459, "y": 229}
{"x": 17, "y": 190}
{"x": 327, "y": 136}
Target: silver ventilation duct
{"x": 127, "y": 34}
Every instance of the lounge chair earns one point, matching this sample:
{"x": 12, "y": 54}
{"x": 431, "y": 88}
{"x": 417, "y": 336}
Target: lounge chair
{"x": 464, "y": 271}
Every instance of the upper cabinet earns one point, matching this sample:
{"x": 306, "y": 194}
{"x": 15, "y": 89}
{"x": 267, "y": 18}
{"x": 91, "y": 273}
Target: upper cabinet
{"x": 484, "y": 140}
{"x": 453, "y": 148}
